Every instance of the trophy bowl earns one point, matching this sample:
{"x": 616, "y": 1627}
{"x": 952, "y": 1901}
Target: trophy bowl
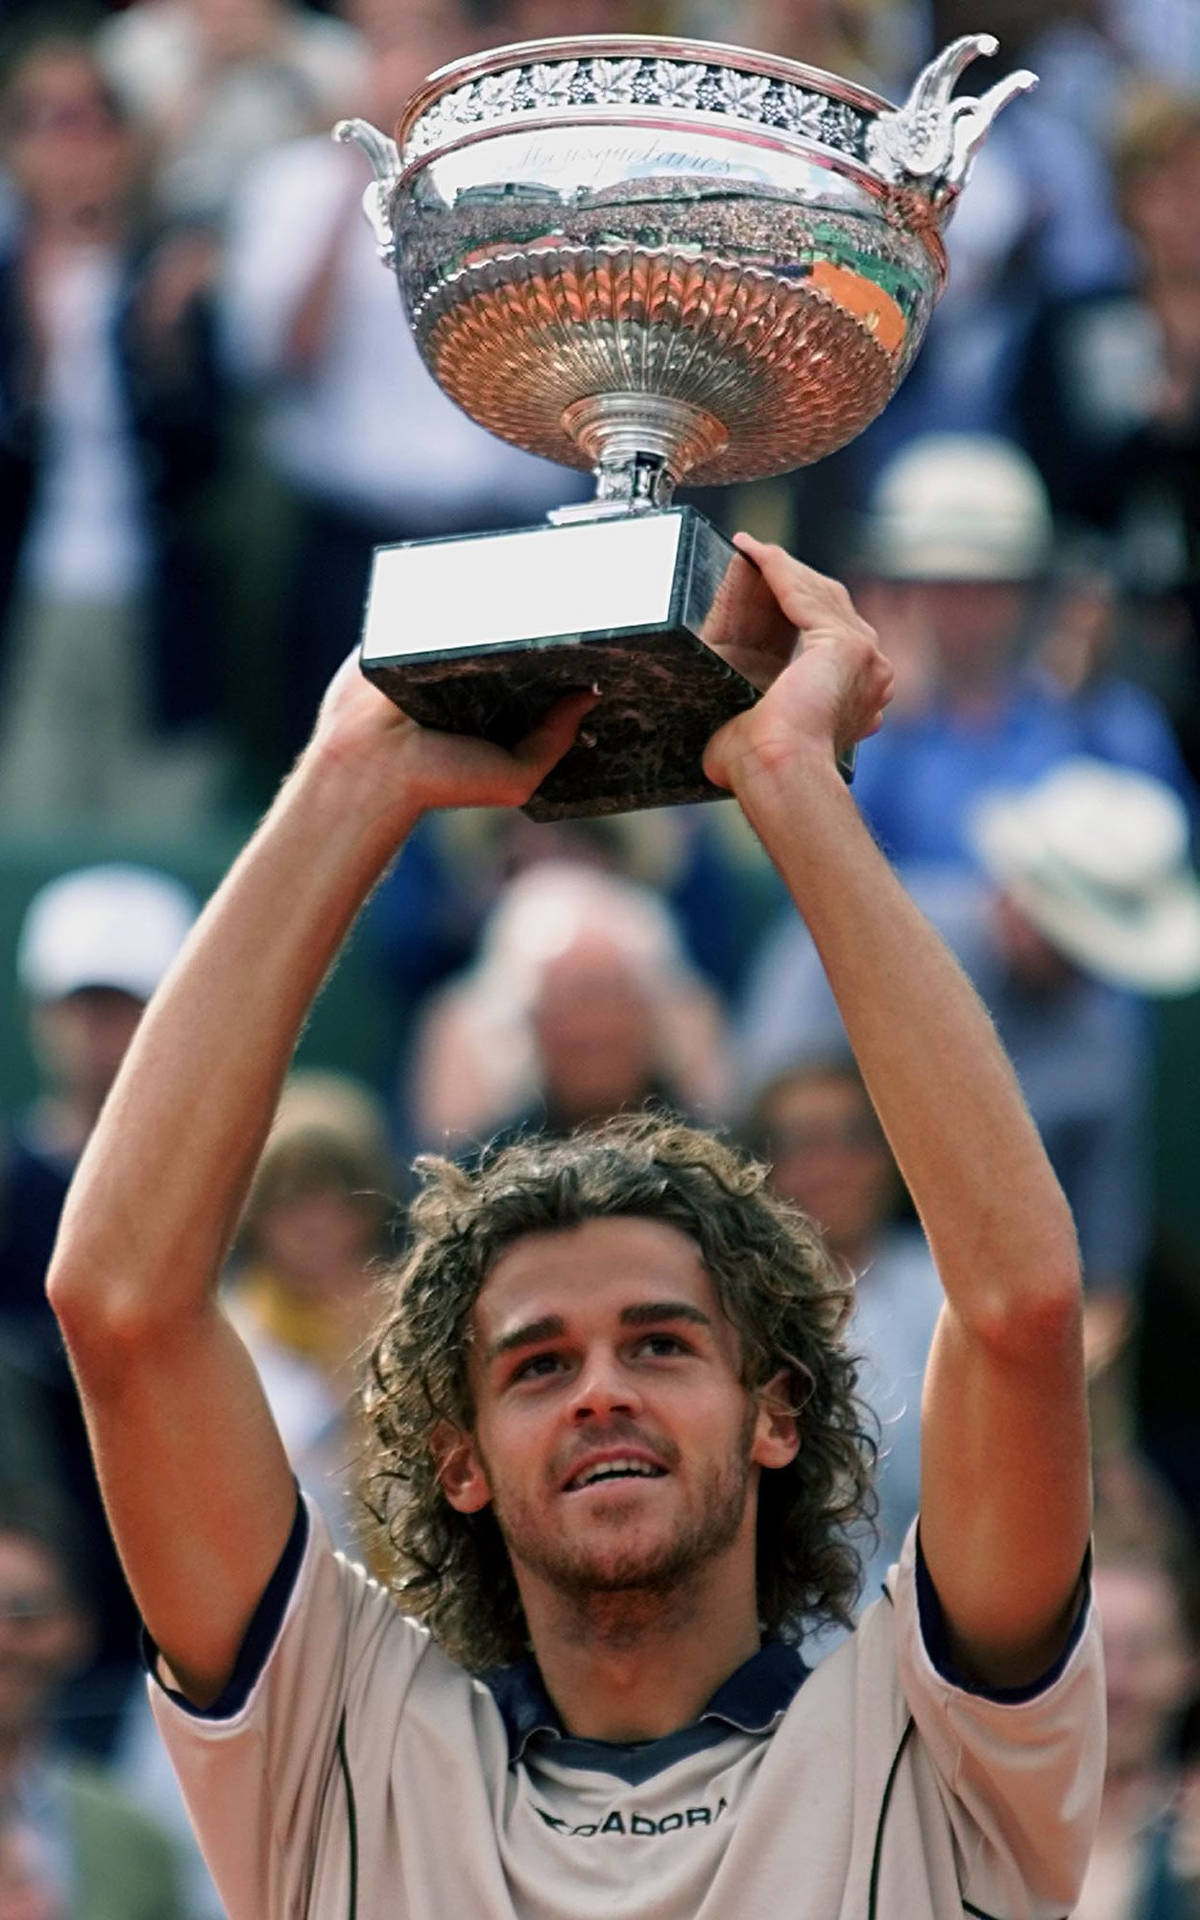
{"x": 661, "y": 259}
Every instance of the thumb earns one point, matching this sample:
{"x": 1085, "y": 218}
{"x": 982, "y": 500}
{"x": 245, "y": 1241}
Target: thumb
{"x": 546, "y": 743}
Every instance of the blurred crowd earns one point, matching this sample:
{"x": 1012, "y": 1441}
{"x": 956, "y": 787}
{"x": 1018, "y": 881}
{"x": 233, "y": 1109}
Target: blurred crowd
{"x": 211, "y": 412}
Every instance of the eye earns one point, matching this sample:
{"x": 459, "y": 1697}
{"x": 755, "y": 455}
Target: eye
{"x": 539, "y": 1366}
{"x": 662, "y": 1346}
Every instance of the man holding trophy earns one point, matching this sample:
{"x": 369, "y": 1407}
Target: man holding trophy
{"x": 616, "y": 1451}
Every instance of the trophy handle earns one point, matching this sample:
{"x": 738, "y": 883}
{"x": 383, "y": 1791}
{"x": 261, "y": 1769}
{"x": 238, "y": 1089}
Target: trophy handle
{"x": 931, "y": 141}
{"x": 383, "y": 153}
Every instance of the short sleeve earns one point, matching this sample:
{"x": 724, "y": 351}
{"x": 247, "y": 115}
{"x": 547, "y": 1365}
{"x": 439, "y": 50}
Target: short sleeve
{"x": 260, "y": 1769}
{"x": 1019, "y": 1771}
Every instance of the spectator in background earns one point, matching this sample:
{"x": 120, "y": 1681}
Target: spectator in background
{"x": 109, "y": 421}
{"x": 300, "y": 1292}
{"x": 367, "y": 446}
{"x": 1038, "y": 223}
{"x": 875, "y": 42}
{"x": 71, "y": 1846}
{"x": 216, "y": 83}
{"x": 1145, "y": 1863}
{"x": 816, "y": 1127}
{"x": 93, "y": 946}
{"x": 1086, "y": 904}
{"x": 958, "y": 540}
{"x": 580, "y": 1006}
{"x": 1110, "y": 394}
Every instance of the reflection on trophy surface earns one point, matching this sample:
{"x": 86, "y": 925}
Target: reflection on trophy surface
{"x": 663, "y": 260}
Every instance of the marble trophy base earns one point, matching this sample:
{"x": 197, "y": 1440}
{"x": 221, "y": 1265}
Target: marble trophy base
{"x": 480, "y": 634}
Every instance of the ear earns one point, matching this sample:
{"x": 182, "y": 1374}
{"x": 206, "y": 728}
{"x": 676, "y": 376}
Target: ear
{"x": 459, "y": 1469}
{"x": 776, "y": 1438}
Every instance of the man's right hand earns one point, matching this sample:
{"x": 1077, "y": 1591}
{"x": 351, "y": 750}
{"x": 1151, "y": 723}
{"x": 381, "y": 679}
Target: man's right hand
{"x": 422, "y": 768}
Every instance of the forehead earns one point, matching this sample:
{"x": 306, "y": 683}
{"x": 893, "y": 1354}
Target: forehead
{"x": 820, "y": 1092}
{"x": 593, "y": 1271}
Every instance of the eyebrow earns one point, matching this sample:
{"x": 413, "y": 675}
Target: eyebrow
{"x": 552, "y": 1326}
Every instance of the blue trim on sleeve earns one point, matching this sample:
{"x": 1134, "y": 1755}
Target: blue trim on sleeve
{"x": 260, "y": 1637}
{"x": 937, "y": 1639}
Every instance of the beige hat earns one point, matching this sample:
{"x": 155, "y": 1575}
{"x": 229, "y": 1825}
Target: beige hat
{"x": 958, "y": 506}
{"x": 112, "y": 925}
{"x": 1097, "y": 858}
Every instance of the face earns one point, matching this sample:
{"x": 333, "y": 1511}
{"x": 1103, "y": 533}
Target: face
{"x": 1160, "y": 210}
{"x": 318, "y": 1242}
{"x": 970, "y": 626}
{"x": 42, "y": 1636}
{"x": 70, "y": 154}
{"x": 592, "y": 1023}
{"x": 613, "y": 1435}
{"x": 1039, "y": 967}
{"x": 25, "y": 1891}
{"x": 829, "y": 1156}
{"x": 1149, "y": 1668}
{"x": 81, "y": 1039}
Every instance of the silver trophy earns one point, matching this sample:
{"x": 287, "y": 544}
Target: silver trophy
{"x": 663, "y": 260}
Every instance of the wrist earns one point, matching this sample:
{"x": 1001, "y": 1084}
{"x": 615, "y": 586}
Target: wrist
{"x": 355, "y": 790}
{"x": 777, "y": 772}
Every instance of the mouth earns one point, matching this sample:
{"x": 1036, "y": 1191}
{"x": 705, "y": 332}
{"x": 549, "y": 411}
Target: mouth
{"x": 614, "y": 1469}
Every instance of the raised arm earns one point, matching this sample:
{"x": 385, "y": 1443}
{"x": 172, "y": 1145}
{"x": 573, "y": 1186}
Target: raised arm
{"x": 198, "y": 1489}
{"x": 1005, "y": 1485}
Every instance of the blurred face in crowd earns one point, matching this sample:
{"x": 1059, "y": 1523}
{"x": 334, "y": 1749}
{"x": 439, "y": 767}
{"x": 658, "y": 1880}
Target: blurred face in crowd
{"x": 798, "y": 29}
{"x": 43, "y": 1636}
{"x": 1038, "y": 966}
{"x": 409, "y": 40}
{"x": 828, "y": 1155}
{"x": 236, "y": 30}
{"x": 542, "y": 19}
{"x": 969, "y": 628}
{"x": 25, "y": 1893}
{"x": 1150, "y": 1670}
{"x": 67, "y": 146}
{"x": 1159, "y": 204}
{"x": 318, "y": 1238}
{"x": 81, "y": 1039}
{"x": 593, "y": 1030}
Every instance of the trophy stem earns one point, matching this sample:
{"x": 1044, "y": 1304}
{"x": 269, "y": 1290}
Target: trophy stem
{"x": 641, "y": 445}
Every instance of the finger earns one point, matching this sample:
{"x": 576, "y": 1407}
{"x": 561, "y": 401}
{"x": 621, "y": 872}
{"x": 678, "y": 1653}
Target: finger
{"x": 805, "y": 595}
{"x": 555, "y": 733}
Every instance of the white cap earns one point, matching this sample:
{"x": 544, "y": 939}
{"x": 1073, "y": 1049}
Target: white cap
{"x": 1096, "y": 857}
{"x": 105, "y": 926}
{"x": 958, "y": 506}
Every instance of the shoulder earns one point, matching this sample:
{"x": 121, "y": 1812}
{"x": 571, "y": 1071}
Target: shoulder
{"x": 324, "y": 1632}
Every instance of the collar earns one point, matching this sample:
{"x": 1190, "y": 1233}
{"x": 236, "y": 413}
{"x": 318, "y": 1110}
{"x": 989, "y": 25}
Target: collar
{"x": 753, "y": 1698}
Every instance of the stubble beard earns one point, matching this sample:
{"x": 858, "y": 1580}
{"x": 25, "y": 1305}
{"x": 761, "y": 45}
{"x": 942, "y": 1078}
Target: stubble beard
{"x": 590, "y": 1575}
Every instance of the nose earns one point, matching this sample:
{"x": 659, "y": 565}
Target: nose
{"x": 604, "y": 1387}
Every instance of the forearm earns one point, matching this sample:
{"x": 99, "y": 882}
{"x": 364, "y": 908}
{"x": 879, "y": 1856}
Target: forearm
{"x": 160, "y": 1186}
{"x": 998, "y": 1224}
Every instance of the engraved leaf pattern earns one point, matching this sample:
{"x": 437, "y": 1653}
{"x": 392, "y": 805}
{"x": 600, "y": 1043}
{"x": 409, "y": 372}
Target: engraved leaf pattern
{"x": 677, "y": 85}
{"x": 742, "y": 93}
{"x": 550, "y": 85}
{"x": 614, "y": 80}
{"x": 462, "y": 106}
{"x": 498, "y": 92}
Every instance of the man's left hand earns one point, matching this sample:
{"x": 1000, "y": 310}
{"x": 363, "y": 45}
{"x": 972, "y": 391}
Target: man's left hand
{"x": 826, "y": 692}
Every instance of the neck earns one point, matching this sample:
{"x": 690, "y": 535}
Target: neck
{"x": 634, "y": 1665}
